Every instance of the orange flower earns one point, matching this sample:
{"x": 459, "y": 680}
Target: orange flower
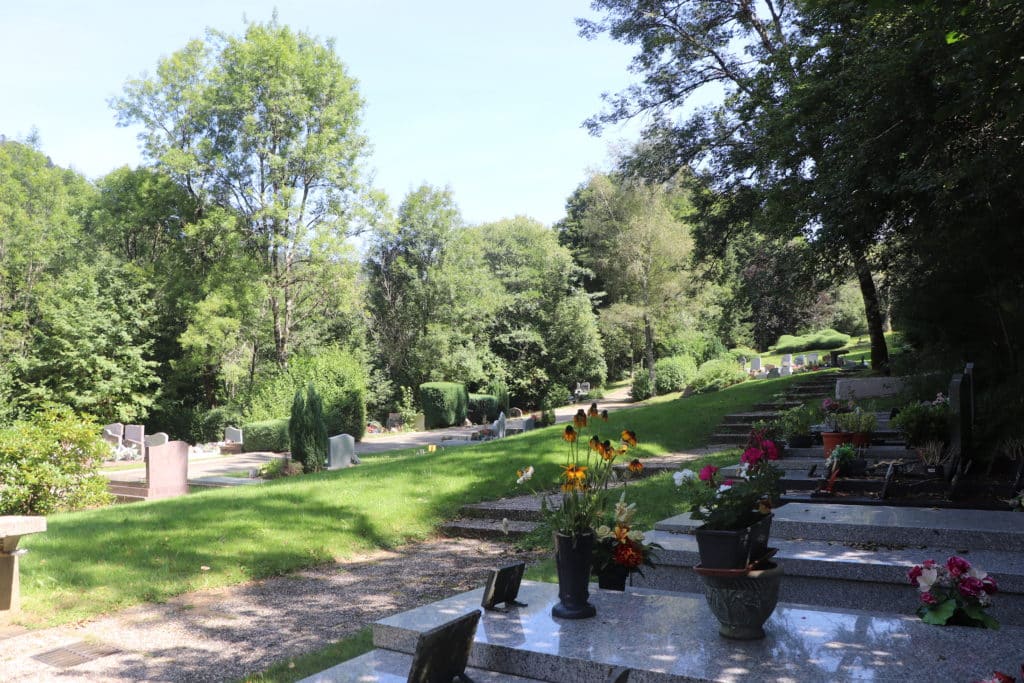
{"x": 595, "y": 443}
{"x": 629, "y": 437}
{"x": 569, "y": 434}
{"x": 607, "y": 451}
{"x": 593, "y": 412}
{"x": 604, "y": 415}
{"x": 574, "y": 473}
{"x": 621, "y": 533}
{"x": 579, "y": 420}
{"x": 629, "y": 555}
{"x": 635, "y": 466}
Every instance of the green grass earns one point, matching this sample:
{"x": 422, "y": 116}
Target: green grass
{"x": 95, "y": 561}
{"x": 297, "y": 668}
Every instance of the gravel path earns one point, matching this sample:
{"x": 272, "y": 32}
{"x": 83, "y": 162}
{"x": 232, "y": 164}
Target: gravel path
{"x": 224, "y": 634}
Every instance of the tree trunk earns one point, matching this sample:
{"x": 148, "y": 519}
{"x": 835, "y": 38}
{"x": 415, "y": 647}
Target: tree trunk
{"x": 649, "y": 349}
{"x": 872, "y": 309}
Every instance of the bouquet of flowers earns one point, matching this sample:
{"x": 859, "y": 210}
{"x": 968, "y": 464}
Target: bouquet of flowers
{"x": 733, "y": 503}
{"x": 955, "y": 591}
{"x": 619, "y": 544}
{"x": 831, "y": 410}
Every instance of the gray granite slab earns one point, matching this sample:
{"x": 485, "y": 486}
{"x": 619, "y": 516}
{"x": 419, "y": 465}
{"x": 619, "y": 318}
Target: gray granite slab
{"x": 385, "y": 666}
{"x": 673, "y": 637}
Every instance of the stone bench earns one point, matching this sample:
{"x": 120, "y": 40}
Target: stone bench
{"x": 12, "y": 528}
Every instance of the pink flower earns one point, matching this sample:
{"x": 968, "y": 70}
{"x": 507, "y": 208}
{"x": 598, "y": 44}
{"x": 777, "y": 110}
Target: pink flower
{"x": 971, "y": 587}
{"x": 728, "y": 482}
{"x": 770, "y": 449}
{"x": 928, "y": 599}
{"x": 928, "y": 564}
{"x": 958, "y": 566}
{"x": 708, "y": 473}
{"x": 913, "y": 574}
{"x": 989, "y": 584}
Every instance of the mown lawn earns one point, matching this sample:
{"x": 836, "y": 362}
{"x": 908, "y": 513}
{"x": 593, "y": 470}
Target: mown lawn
{"x": 100, "y": 560}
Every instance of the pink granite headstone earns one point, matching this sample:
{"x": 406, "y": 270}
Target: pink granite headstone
{"x": 167, "y": 470}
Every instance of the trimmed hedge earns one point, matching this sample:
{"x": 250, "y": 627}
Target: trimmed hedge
{"x": 444, "y": 403}
{"x": 673, "y": 373}
{"x": 717, "y": 374}
{"x": 641, "y": 389}
{"x": 822, "y": 339}
{"x": 483, "y": 408}
{"x": 268, "y": 435}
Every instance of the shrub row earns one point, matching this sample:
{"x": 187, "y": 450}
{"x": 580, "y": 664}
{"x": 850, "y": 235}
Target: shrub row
{"x": 483, "y": 408}
{"x": 717, "y": 374}
{"x": 673, "y": 373}
{"x": 444, "y": 403}
{"x": 822, "y": 339}
{"x": 267, "y": 435}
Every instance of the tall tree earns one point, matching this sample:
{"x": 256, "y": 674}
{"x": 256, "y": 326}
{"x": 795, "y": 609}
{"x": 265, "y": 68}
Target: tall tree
{"x": 266, "y": 125}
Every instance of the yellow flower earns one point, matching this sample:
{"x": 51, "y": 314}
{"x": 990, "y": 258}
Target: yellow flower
{"x": 629, "y": 437}
{"x": 621, "y": 533}
{"x": 607, "y": 452}
{"x": 593, "y": 412}
{"x": 635, "y": 466}
{"x": 604, "y": 415}
{"x": 595, "y": 443}
{"x": 579, "y": 420}
{"x": 575, "y": 473}
{"x": 569, "y": 434}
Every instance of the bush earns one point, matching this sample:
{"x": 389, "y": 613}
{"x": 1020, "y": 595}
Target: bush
{"x": 307, "y": 432}
{"x": 741, "y": 352}
{"x": 280, "y": 467}
{"x": 924, "y": 422}
{"x": 717, "y": 374}
{"x": 555, "y": 397}
{"x": 482, "y": 408}
{"x": 499, "y": 389}
{"x": 339, "y": 378}
{"x": 50, "y": 463}
{"x": 673, "y": 373}
{"x": 641, "y": 389}
{"x": 822, "y": 339}
{"x": 444, "y": 403}
{"x": 268, "y": 435}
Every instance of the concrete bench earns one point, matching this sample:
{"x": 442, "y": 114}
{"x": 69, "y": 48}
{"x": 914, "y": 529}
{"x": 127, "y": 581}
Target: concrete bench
{"x": 12, "y": 528}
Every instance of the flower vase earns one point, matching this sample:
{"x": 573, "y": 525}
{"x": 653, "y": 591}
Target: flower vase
{"x": 742, "y": 601}
{"x": 833, "y": 439}
{"x": 733, "y": 548}
{"x": 572, "y": 560}
{"x": 613, "y": 577}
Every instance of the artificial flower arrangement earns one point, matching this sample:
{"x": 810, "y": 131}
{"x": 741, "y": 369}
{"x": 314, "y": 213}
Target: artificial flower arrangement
{"x": 733, "y": 503}
{"x": 1000, "y": 677}
{"x": 619, "y": 544}
{"x": 954, "y": 591}
{"x": 584, "y": 479}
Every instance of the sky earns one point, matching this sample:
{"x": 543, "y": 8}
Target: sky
{"x": 485, "y": 98}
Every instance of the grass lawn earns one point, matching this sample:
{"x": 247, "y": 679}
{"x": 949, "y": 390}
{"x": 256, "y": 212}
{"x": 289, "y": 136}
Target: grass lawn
{"x": 100, "y": 560}
{"x": 297, "y": 668}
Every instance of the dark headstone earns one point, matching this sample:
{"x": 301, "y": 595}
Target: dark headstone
{"x": 503, "y": 586}
{"x": 443, "y": 652}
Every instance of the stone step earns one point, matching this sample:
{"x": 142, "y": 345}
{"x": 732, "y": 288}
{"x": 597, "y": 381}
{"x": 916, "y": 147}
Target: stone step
{"x": 874, "y": 452}
{"x": 834, "y": 574}
{"x": 887, "y": 525}
{"x": 487, "y": 528}
{"x": 777, "y": 405}
{"x": 665, "y": 637}
{"x": 750, "y": 417}
{"x": 387, "y": 666}
{"x": 521, "y": 508}
{"x": 730, "y": 438}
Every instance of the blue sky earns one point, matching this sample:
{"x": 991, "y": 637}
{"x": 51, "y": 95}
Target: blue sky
{"x": 485, "y": 98}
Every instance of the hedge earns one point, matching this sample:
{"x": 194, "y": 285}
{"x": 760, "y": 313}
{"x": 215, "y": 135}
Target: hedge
{"x": 717, "y": 374}
{"x": 483, "y": 408}
{"x": 444, "y": 403}
{"x": 267, "y": 435}
{"x": 673, "y": 373}
{"x": 822, "y": 339}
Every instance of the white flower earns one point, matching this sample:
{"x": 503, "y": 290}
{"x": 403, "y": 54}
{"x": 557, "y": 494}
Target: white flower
{"x": 722, "y": 489}
{"x": 744, "y": 470}
{"x": 526, "y": 475}
{"x": 603, "y": 532}
{"x": 683, "y": 475}
{"x": 637, "y": 536}
{"x": 929, "y": 575}
{"x": 976, "y": 573}
{"x": 504, "y": 525}
{"x": 624, "y": 513}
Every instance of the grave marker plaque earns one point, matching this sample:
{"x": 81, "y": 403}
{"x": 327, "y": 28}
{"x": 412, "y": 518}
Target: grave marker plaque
{"x": 232, "y": 435}
{"x": 443, "y": 652}
{"x": 503, "y": 587}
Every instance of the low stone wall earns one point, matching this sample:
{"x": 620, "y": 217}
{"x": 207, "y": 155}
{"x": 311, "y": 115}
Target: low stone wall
{"x": 868, "y": 387}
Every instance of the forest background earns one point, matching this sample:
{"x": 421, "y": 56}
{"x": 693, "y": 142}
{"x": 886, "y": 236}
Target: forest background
{"x": 860, "y": 170}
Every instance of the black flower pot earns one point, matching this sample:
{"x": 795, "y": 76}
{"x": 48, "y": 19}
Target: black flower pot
{"x": 572, "y": 559}
{"x": 742, "y": 601}
{"x": 802, "y": 441}
{"x": 613, "y": 578}
{"x": 733, "y": 548}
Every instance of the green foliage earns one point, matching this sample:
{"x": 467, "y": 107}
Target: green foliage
{"x": 743, "y": 352}
{"x": 482, "y": 408}
{"x": 641, "y": 389}
{"x": 674, "y": 373}
{"x": 822, "y": 339}
{"x": 406, "y": 407}
{"x": 307, "y": 433}
{"x": 556, "y": 396}
{"x": 797, "y": 421}
{"x": 268, "y": 435}
{"x": 574, "y": 346}
{"x": 50, "y": 463}
{"x": 499, "y": 389}
{"x": 715, "y": 375}
{"x": 925, "y": 421}
{"x": 444, "y": 403}
{"x": 280, "y": 467}
{"x": 857, "y": 422}
{"x": 338, "y": 376}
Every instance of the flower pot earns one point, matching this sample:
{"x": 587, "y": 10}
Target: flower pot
{"x": 733, "y": 548}
{"x": 742, "y": 602}
{"x": 572, "y": 560}
{"x": 613, "y": 578}
{"x": 802, "y": 441}
{"x": 833, "y": 439}
{"x": 857, "y": 467}
{"x": 861, "y": 439}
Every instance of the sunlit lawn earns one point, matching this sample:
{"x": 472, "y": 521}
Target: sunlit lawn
{"x": 96, "y": 561}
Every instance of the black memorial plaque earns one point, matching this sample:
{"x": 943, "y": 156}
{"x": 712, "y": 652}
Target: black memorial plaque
{"x": 503, "y": 587}
{"x": 443, "y": 652}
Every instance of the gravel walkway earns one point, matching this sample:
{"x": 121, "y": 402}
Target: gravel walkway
{"x": 225, "y": 634}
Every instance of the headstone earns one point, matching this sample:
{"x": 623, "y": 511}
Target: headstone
{"x": 341, "y": 452}
{"x": 134, "y": 435}
{"x": 787, "y": 359}
{"x": 442, "y": 653}
{"x": 812, "y": 358}
{"x": 960, "y": 404}
{"x": 167, "y": 470}
{"x": 585, "y": 387}
{"x": 503, "y": 586}
{"x": 233, "y": 435}
{"x": 773, "y": 373}
{"x": 755, "y": 364}
{"x": 800, "y": 360}
{"x": 785, "y": 371}
{"x": 969, "y": 379}
{"x": 113, "y": 433}
{"x": 528, "y": 424}
{"x": 158, "y": 439}
{"x": 500, "y": 425}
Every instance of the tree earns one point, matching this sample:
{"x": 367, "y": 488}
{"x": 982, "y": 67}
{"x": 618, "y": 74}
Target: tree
{"x": 266, "y": 126}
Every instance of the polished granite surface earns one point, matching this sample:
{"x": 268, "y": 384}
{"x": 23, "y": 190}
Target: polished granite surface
{"x": 673, "y": 637}
{"x": 384, "y": 666}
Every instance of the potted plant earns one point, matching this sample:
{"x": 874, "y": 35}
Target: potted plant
{"x": 584, "y": 490}
{"x": 953, "y": 594}
{"x": 937, "y": 458}
{"x": 924, "y": 421}
{"x": 795, "y": 425}
{"x": 833, "y": 435}
{"x": 843, "y": 461}
{"x": 620, "y": 550}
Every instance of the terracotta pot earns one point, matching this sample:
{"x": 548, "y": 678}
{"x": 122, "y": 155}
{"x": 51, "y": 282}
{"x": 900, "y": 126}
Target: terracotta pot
{"x": 833, "y": 439}
{"x": 572, "y": 560}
